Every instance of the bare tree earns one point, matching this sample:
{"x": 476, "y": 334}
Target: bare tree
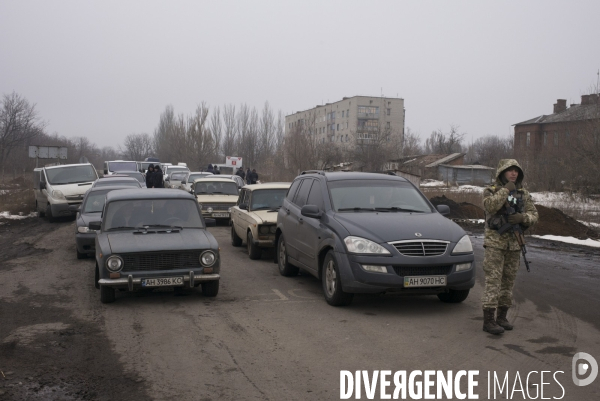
{"x": 489, "y": 150}
{"x": 216, "y": 130}
{"x": 137, "y": 147}
{"x": 411, "y": 144}
{"x": 18, "y": 123}
{"x": 163, "y": 133}
{"x": 230, "y": 130}
{"x": 444, "y": 143}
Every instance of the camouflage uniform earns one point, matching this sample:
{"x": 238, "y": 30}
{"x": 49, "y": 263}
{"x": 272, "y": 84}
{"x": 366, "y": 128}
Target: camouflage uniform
{"x": 502, "y": 251}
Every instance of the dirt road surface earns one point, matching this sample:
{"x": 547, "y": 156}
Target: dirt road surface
{"x": 268, "y": 337}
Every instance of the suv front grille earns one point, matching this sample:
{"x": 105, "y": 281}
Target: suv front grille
{"x": 421, "y": 248}
{"x": 422, "y": 270}
{"x": 217, "y": 206}
{"x": 161, "y": 261}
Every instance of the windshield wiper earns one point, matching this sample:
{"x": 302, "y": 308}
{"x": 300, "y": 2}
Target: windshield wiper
{"x": 276, "y": 209}
{"x": 159, "y": 226}
{"x": 356, "y": 209}
{"x": 262, "y": 208}
{"x": 121, "y": 228}
{"x": 397, "y": 209}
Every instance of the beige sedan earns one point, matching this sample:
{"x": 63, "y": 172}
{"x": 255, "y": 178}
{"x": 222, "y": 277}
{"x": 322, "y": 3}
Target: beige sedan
{"x": 216, "y": 196}
{"x": 254, "y": 217}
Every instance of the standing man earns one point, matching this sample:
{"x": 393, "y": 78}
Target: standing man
{"x": 254, "y": 176}
{"x": 249, "y": 176}
{"x": 502, "y": 251}
{"x": 241, "y": 173}
{"x": 149, "y": 173}
{"x": 157, "y": 178}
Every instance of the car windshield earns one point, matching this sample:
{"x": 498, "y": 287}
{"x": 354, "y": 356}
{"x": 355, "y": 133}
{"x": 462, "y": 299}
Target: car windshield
{"x": 376, "y": 195}
{"x": 267, "y": 199}
{"x": 129, "y": 214}
{"x": 94, "y": 202}
{"x": 145, "y": 165}
{"x": 133, "y": 174}
{"x": 71, "y": 174}
{"x": 178, "y": 176}
{"x": 216, "y": 187}
{"x": 122, "y": 166}
{"x": 173, "y": 170}
{"x": 108, "y": 182}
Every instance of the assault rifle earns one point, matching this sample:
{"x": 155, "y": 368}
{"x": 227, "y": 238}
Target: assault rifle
{"x": 517, "y": 230}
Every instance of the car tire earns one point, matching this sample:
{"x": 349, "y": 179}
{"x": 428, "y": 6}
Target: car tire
{"x": 453, "y": 296}
{"x": 107, "y": 294}
{"x": 254, "y": 252}
{"x": 235, "y": 239}
{"x": 40, "y": 213}
{"x": 332, "y": 283}
{"x": 285, "y": 268}
{"x": 51, "y": 218}
{"x": 210, "y": 288}
{"x": 79, "y": 254}
{"x": 97, "y": 277}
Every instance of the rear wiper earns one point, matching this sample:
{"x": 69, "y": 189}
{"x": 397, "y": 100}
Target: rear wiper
{"x": 356, "y": 209}
{"x": 217, "y": 192}
{"x": 396, "y": 209}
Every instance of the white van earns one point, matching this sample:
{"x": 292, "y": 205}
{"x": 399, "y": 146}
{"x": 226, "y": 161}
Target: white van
{"x": 59, "y": 190}
{"x": 113, "y": 167}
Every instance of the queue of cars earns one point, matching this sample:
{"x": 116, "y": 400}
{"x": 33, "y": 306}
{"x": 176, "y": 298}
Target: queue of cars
{"x": 355, "y": 232}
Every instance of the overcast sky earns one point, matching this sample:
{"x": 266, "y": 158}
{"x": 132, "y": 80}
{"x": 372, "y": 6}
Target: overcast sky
{"x": 106, "y": 69}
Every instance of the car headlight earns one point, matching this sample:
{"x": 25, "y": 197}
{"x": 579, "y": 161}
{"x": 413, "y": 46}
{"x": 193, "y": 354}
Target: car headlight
{"x": 229, "y": 210}
{"x": 209, "y": 210}
{"x": 83, "y": 230}
{"x": 174, "y": 186}
{"x": 361, "y": 245}
{"x": 56, "y": 194}
{"x": 114, "y": 263}
{"x": 200, "y": 205}
{"x": 463, "y": 246}
{"x": 263, "y": 229}
{"x": 208, "y": 258}
{"x": 273, "y": 229}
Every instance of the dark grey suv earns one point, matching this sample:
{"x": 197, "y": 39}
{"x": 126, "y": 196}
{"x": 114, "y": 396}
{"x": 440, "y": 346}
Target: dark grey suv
{"x": 371, "y": 233}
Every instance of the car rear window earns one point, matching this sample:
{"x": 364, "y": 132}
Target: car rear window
{"x": 216, "y": 187}
{"x": 264, "y": 199}
{"x": 347, "y": 195}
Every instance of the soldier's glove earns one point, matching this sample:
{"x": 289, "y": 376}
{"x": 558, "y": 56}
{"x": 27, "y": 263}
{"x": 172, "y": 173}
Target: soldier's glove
{"x": 516, "y": 218}
{"x": 510, "y": 186}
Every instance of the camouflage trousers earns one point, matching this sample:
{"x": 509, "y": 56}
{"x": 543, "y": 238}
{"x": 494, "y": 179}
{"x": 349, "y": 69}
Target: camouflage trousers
{"x": 500, "y": 267}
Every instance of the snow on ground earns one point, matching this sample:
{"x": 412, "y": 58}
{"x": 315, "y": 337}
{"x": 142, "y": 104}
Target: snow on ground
{"x": 7, "y": 215}
{"x": 432, "y": 183}
{"x": 570, "y": 240}
{"x": 442, "y": 185}
{"x": 561, "y": 199}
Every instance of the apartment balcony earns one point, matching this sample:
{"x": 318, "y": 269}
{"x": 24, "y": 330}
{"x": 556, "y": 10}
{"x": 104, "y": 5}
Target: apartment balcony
{"x": 368, "y": 116}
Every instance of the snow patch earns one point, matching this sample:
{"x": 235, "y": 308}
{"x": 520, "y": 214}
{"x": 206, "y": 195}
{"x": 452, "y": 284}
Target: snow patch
{"x": 7, "y": 215}
{"x": 570, "y": 240}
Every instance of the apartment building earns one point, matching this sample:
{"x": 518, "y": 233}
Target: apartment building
{"x": 356, "y": 118}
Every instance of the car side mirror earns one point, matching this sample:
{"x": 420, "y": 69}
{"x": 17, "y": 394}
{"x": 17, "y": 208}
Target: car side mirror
{"x": 167, "y": 178}
{"x": 443, "y": 209}
{"x": 243, "y": 206}
{"x": 42, "y": 185}
{"x": 95, "y": 225}
{"x": 105, "y": 172}
{"x": 210, "y": 222}
{"x": 184, "y": 182}
{"x": 311, "y": 211}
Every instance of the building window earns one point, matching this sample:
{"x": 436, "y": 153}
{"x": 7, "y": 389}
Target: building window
{"x": 387, "y": 125}
{"x": 338, "y": 127}
{"x": 545, "y": 138}
{"x": 528, "y": 138}
{"x": 389, "y": 111}
{"x": 346, "y": 137}
{"x": 556, "y": 139}
{"x": 348, "y": 113}
{"x": 566, "y": 137}
{"x": 342, "y": 113}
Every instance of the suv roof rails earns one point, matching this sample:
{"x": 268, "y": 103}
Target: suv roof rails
{"x": 313, "y": 172}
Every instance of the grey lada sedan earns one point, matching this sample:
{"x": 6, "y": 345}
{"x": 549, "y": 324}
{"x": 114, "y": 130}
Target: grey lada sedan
{"x": 153, "y": 238}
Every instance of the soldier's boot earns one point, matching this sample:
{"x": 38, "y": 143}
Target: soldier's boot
{"x": 489, "y": 322}
{"x": 501, "y": 318}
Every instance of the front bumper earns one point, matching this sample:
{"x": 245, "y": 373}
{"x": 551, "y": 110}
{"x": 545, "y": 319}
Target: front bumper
{"x": 356, "y": 280}
{"x": 62, "y": 209}
{"x": 191, "y": 279}
{"x": 264, "y": 241}
{"x": 86, "y": 243}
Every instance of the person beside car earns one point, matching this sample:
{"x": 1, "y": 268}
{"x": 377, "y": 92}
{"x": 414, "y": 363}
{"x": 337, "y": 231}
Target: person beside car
{"x": 241, "y": 173}
{"x": 502, "y": 251}
{"x": 149, "y": 175}
{"x": 157, "y": 178}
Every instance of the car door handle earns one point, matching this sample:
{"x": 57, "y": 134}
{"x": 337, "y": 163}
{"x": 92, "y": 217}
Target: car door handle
{"x": 301, "y": 220}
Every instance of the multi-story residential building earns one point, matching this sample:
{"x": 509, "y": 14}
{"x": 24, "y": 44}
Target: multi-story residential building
{"x": 357, "y": 118}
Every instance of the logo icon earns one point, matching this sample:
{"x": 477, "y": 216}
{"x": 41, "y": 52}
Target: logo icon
{"x": 418, "y": 235}
{"x": 584, "y": 364}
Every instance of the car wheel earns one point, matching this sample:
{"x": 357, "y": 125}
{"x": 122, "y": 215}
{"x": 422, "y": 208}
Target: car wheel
{"x": 254, "y": 252}
{"x": 235, "y": 239}
{"x": 97, "y": 278}
{"x": 40, "y": 213}
{"x": 210, "y": 288}
{"x": 453, "y": 296}
{"x": 51, "y": 218}
{"x": 107, "y": 294}
{"x": 332, "y": 283}
{"x": 79, "y": 254}
{"x": 285, "y": 268}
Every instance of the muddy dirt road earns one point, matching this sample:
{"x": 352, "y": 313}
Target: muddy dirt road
{"x": 268, "y": 337}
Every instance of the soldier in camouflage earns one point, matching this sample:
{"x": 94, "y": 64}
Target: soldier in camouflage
{"x": 502, "y": 251}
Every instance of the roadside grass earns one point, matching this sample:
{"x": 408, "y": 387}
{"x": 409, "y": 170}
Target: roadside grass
{"x": 17, "y": 197}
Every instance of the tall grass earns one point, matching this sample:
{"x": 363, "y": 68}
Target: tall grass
{"x": 17, "y": 196}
